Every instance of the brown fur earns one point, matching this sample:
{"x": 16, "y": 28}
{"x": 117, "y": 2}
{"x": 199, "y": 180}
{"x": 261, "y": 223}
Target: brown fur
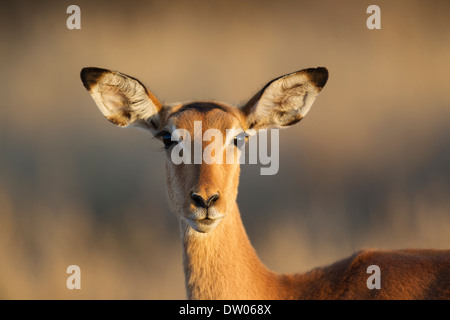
{"x": 221, "y": 263}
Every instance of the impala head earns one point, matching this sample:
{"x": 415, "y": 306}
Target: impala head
{"x": 202, "y": 192}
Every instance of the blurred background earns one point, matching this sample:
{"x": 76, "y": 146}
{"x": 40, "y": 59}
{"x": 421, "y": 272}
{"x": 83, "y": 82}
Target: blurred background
{"x": 369, "y": 166}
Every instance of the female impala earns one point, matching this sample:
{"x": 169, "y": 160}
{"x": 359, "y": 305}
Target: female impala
{"x": 219, "y": 261}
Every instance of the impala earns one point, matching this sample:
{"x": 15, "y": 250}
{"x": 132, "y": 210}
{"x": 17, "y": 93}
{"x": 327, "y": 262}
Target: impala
{"x": 219, "y": 260}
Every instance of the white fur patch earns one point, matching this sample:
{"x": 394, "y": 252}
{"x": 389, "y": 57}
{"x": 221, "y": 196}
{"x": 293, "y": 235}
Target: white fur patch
{"x": 290, "y": 96}
{"x": 115, "y": 93}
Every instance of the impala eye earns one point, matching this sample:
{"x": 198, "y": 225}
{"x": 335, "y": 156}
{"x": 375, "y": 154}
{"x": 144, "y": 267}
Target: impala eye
{"x": 166, "y": 138}
{"x": 240, "y": 139}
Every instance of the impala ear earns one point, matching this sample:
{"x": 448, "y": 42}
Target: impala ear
{"x": 123, "y": 100}
{"x": 284, "y": 101}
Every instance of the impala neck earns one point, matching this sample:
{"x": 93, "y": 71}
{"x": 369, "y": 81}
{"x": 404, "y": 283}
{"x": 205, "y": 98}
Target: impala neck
{"x": 222, "y": 264}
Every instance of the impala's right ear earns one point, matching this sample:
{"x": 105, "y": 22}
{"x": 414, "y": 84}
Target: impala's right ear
{"x": 123, "y": 100}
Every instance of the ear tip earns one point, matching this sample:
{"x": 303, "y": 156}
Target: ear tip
{"x": 90, "y": 75}
{"x": 319, "y": 76}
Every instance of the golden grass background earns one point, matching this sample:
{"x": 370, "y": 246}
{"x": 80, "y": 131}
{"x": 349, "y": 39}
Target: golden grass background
{"x": 369, "y": 167}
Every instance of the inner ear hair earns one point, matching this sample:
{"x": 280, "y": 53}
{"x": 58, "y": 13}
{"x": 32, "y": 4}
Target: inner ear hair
{"x": 122, "y": 99}
{"x": 285, "y": 100}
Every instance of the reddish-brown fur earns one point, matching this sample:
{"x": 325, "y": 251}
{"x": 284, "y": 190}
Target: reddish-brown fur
{"x": 221, "y": 263}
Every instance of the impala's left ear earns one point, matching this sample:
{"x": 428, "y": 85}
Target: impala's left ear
{"x": 284, "y": 101}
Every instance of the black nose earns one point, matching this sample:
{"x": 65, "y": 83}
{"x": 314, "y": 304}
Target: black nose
{"x": 199, "y": 201}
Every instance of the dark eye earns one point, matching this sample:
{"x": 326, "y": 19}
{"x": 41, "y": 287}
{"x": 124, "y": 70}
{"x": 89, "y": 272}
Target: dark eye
{"x": 166, "y": 138}
{"x": 240, "y": 139}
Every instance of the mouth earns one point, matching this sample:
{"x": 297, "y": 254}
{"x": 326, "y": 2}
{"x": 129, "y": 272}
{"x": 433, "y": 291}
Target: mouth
{"x": 203, "y": 225}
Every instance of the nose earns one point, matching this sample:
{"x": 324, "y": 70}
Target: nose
{"x": 199, "y": 201}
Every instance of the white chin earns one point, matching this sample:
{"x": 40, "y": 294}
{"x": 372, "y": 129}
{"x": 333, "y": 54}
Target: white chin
{"x": 203, "y": 225}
